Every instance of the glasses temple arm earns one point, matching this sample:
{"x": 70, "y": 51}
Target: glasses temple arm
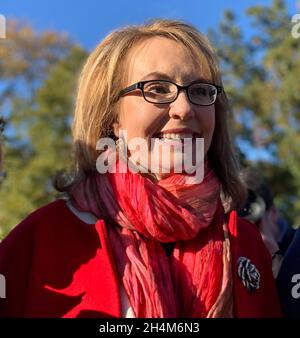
{"x": 129, "y": 89}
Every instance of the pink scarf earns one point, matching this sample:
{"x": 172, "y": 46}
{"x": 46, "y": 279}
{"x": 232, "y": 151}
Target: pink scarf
{"x": 195, "y": 280}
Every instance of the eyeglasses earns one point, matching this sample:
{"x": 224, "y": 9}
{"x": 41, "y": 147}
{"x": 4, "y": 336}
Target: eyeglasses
{"x": 163, "y": 91}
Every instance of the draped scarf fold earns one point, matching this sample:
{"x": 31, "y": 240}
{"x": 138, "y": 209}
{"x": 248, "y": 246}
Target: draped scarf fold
{"x": 195, "y": 279}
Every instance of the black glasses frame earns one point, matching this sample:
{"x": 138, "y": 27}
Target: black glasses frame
{"x": 140, "y": 85}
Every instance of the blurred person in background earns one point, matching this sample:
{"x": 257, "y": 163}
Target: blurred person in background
{"x": 260, "y": 209}
{"x": 288, "y": 279}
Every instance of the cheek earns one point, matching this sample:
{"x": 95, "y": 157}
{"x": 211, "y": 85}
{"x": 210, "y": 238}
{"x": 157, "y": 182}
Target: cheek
{"x": 138, "y": 117}
{"x": 211, "y": 122}
{"x": 207, "y": 126}
{"x": 206, "y": 119}
{"x": 210, "y": 130}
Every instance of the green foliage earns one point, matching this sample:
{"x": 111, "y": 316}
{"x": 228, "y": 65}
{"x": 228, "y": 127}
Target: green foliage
{"x": 262, "y": 81}
{"x": 39, "y": 73}
{"x": 39, "y": 92}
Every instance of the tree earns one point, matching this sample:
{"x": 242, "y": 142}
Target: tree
{"x": 262, "y": 81}
{"x": 39, "y": 73}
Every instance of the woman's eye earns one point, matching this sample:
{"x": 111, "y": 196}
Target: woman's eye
{"x": 199, "y": 91}
{"x": 158, "y": 90}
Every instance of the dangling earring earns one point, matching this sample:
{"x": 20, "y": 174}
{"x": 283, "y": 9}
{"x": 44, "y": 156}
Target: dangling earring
{"x": 120, "y": 144}
{"x": 121, "y": 148}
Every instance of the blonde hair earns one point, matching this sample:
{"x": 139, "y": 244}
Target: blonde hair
{"x": 102, "y": 78}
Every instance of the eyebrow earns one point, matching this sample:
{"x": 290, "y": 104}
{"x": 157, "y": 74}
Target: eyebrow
{"x": 164, "y": 76}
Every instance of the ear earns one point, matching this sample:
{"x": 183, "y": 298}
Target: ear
{"x": 116, "y": 128}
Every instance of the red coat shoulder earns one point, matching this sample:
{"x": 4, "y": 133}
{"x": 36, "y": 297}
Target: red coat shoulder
{"x": 48, "y": 261}
{"x": 246, "y": 241}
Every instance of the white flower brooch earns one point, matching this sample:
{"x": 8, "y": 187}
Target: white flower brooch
{"x": 248, "y": 273}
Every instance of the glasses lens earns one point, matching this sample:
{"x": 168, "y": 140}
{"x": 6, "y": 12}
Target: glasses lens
{"x": 160, "y": 91}
{"x": 203, "y": 93}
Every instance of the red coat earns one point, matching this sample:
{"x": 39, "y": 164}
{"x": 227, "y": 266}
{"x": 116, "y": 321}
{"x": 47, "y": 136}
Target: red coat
{"x": 55, "y": 265}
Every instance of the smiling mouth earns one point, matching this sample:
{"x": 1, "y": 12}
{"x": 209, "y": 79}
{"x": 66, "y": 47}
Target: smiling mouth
{"x": 169, "y": 137}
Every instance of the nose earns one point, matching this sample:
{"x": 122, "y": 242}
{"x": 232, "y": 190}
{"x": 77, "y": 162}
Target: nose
{"x": 181, "y": 108}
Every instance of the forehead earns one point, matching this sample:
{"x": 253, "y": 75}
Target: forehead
{"x": 166, "y": 56}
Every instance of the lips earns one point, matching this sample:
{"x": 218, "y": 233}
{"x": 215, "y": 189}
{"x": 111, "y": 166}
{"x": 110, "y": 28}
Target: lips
{"x": 176, "y": 134}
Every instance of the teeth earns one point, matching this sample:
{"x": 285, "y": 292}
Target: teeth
{"x": 175, "y": 136}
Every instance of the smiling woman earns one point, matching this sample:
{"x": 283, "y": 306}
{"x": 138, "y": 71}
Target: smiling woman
{"x": 144, "y": 244}
{"x": 161, "y": 106}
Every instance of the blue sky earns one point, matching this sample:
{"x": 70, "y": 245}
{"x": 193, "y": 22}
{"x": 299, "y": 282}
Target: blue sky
{"x": 88, "y": 21}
